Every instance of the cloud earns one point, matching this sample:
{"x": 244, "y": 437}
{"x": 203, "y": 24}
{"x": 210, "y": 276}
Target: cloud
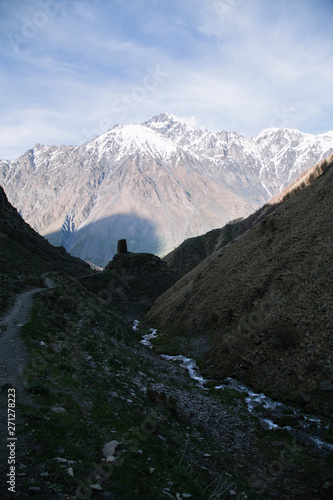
{"x": 233, "y": 64}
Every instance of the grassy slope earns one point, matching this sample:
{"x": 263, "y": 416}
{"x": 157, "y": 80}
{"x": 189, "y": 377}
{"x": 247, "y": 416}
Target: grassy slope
{"x": 25, "y": 256}
{"x": 266, "y": 300}
{"x": 194, "y": 250}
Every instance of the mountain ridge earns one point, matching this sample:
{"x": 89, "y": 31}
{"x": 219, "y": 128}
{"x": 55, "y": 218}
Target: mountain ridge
{"x": 167, "y": 180}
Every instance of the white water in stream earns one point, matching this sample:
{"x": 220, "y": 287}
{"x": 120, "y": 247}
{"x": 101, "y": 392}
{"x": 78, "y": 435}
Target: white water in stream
{"x": 190, "y": 366}
{"x": 253, "y": 400}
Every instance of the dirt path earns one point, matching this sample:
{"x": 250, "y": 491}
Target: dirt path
{"x": 13, "y": 360}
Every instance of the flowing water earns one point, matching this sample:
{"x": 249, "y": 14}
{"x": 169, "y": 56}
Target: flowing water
{"x": 309, "y": 429}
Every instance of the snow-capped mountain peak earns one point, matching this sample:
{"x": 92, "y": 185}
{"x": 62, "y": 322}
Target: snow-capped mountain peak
{"x": 155, "y": 183}
{"x": 131, "y": 139}
{"x": 169, "y": 122}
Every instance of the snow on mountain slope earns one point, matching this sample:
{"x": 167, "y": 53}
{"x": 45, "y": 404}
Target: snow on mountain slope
{"x": 287, "y": 153}
{"x": 154, "y": 183}
{"x": 129, "y": 139}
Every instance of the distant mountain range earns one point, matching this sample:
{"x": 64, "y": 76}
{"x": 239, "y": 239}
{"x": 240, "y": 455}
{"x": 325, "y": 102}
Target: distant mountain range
{"x": 155, "y": 183}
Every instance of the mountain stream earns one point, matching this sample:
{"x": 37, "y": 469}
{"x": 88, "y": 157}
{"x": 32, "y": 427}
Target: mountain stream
{"x": 307, "y": 428}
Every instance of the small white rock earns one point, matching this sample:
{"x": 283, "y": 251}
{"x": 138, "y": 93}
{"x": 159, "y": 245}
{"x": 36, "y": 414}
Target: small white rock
{"x": 113, "y": 394}
{"x": 61, "y": 460}
{"x": 109, "y": 450}
{"x": 96, "y": 487}
{"x": 58, "y": 409}
{"x": 151, "y": 470}
{"x": 166, "y": 493}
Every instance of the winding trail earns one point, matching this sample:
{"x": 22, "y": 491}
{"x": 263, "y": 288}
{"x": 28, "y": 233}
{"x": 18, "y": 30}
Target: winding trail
{"x": 13, "y": 360}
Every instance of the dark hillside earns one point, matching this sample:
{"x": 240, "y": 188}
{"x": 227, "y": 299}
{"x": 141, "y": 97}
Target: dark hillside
{"x": 132, "y": 282}
{"x": 194, "y": 250}
{"x": 25, "y": 255}
{"x": 266, "y": 299}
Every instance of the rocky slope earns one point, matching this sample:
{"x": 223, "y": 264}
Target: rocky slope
{"x": 94, "y": 385}
{"x": 155, "y": 183}
{"x": 265, "y": 300}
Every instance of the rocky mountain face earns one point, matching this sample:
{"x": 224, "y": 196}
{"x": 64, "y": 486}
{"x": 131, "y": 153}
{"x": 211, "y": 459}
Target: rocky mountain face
{"x": 155, "y": 183}
{"x": 265, "y": 299}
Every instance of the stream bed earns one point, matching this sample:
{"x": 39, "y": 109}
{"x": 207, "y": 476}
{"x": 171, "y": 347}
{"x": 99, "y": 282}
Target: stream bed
{"x": 271, "y": 414}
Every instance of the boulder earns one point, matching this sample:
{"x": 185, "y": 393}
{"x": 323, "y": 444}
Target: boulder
{"x": 109, "y": 450}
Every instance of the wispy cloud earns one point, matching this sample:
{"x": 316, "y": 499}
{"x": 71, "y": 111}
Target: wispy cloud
{"x": 72, "y": 69}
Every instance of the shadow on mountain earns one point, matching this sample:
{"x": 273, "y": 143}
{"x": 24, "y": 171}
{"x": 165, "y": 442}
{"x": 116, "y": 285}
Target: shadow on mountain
{"x": 96, "y": 242}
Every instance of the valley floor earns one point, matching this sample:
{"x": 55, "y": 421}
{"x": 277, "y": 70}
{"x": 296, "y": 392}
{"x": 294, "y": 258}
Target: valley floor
{"x": 90, "y": 381}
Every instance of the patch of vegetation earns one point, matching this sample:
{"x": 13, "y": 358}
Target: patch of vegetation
{"x": 194, "y": 250}
{"x": 87, "y": 365}
{"x": 284, "y": 452}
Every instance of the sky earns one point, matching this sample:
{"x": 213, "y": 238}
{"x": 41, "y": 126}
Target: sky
{"x": 72, "y": 69}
